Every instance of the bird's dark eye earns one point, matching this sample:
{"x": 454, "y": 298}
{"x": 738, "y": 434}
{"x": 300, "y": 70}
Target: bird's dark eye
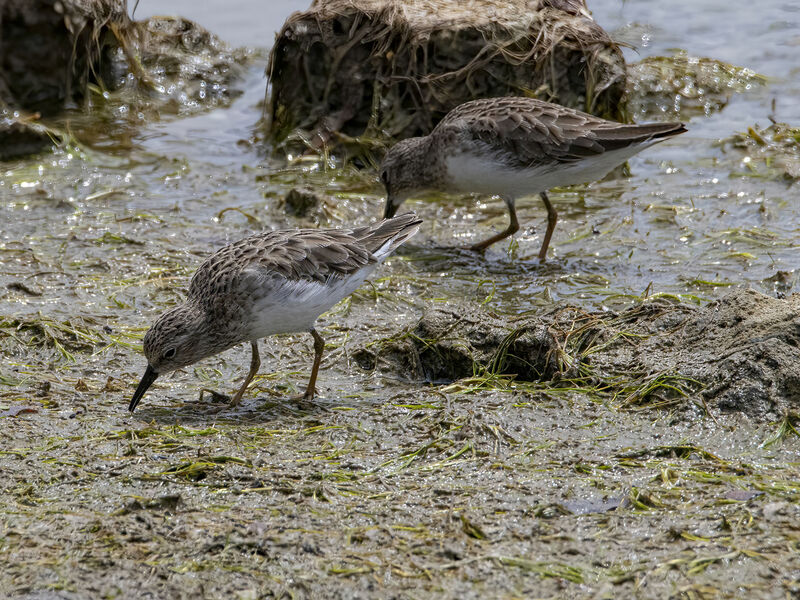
{"x": 170, "y": 353}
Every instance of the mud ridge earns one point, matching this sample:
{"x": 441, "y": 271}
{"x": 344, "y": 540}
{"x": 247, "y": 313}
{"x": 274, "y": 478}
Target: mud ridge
{"x": 739, "y": 353}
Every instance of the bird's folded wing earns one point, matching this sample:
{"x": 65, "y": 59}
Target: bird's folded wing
{"x": 528, "y": 138}
{"x": 300, "y": 255}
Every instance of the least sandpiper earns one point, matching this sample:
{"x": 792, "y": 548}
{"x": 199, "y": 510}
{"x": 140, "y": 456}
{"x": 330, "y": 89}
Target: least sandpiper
{"x": 268, "y": 283}
{"x": 513, "y": 147}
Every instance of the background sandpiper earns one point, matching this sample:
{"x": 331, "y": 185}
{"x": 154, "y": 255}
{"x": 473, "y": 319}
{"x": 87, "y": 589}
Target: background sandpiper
{"x": 268, "y": 283}
{"x": 513, "y": 147}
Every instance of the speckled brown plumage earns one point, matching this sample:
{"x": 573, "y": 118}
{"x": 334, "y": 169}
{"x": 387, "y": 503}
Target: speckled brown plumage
{"x": 513, "y": 147}
{"x": 272, "y": 282}
{"x": 301, "y": 254}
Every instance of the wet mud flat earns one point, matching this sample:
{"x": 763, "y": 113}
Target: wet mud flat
{"x": 576, "y": 486}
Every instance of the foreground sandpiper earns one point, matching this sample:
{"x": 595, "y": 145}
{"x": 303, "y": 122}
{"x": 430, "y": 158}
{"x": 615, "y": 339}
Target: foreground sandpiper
{"x": 268, "y": 283}
{"x": 513, "y": 147}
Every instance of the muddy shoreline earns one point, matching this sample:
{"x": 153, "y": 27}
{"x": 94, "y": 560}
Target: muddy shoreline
{"x": 394, "y": 490}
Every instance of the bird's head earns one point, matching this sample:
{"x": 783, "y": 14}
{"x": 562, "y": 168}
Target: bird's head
{"x": 405, "y": 170}
{"x": 175, "y": 340}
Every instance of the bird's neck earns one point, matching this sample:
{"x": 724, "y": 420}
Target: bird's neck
{"x": 215, "y": 325}
{"x": 426, "y": 161}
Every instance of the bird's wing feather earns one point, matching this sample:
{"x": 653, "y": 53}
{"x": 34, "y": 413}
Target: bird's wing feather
{"x": 525, "y": 132}
{"x": 300, "y": 255}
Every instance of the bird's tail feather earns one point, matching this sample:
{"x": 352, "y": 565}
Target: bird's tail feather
{"x": 615, "y": 137}
{"x": 383, "y": 237}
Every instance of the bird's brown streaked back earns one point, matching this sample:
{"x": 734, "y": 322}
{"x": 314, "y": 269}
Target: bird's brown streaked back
{"x": 527, "y": 132}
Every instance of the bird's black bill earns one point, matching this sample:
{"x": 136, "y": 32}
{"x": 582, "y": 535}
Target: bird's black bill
{"x": 390, "y": 209}
{"x": 147, "y": 379}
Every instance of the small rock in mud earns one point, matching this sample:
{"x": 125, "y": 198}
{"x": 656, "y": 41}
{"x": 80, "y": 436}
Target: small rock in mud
{"x": 301, "y": 202}
{"x": 19, "y": 138}
{"x": 781, "y": 283}
{"x": 163, "y": 503}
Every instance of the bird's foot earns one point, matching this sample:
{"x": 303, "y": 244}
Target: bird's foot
{"x": 215, "y": 395}
{"x": 306, "y": 401}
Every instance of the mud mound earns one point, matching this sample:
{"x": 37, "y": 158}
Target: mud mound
{"x": 740, "y": 353}
{"x": 50, "y": 50}
{"x": 744, "y": 348}
{"x": 374, "y": 68}
{"x": 450, "y": 344}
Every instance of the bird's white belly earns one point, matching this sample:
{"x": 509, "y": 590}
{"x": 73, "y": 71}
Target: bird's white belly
{"x": 293, "y": 306}
{"x": 476, "y": 173}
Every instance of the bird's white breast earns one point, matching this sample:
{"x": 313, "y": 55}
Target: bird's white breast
{"x": 479, "y": 173}
{"x": 283, "y": 305}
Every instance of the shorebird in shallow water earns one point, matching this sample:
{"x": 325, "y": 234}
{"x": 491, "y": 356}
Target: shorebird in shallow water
{"x": 513, "y": 147}
{"x": 268, "y": 283}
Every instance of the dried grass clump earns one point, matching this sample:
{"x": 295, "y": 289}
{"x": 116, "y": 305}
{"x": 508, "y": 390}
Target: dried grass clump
{"x": 378, "y": 68}
{"x": 49, "y": 51}
{"x": 737, "y": 354}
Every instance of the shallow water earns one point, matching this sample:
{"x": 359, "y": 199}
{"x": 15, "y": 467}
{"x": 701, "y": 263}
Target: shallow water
{"x": 101, "y": 240}
{"x": 684, "y": 216}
